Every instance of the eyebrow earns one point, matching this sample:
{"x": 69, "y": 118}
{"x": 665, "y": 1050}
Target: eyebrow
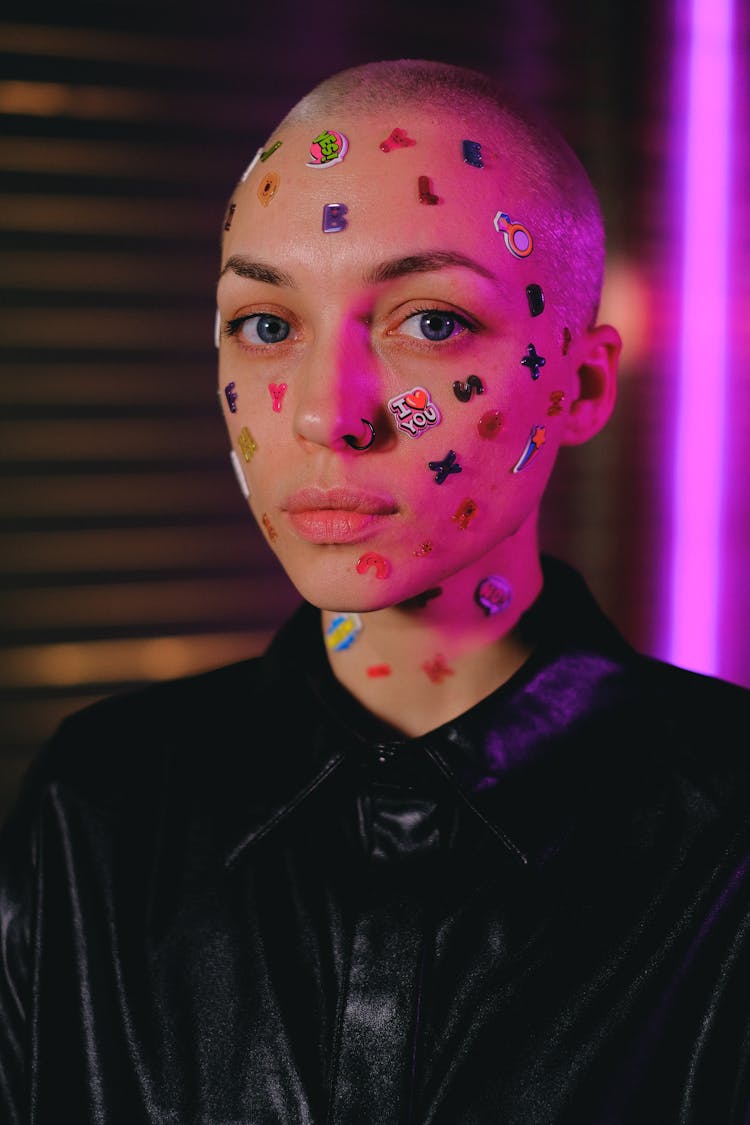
{"x": 390, "y": 270}
{"x": 257, "y": 271}
{"x": 424, "y": 263}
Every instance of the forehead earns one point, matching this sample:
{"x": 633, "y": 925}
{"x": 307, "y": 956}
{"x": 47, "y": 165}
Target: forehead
{"x": 398, "y": 175}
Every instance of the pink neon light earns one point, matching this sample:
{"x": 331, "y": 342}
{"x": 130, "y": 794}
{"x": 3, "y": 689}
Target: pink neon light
{"x": 700, "y": 419}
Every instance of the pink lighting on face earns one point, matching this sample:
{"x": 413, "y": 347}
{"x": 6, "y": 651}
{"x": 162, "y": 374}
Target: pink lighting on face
{"x": 700, "y": 416}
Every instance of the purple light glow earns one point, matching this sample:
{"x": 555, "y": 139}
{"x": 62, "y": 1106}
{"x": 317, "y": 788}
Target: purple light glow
{"x": 697, "y": 485}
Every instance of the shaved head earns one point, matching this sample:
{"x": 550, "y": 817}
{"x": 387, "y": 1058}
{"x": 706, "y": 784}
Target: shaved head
{"x": 566, "y": 212}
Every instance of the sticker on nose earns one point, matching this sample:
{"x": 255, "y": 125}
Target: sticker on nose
{"x": 414, "y": 411}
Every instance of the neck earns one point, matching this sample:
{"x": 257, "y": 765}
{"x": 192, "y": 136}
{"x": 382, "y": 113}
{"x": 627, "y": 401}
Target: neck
{"x": 420, "y": 663}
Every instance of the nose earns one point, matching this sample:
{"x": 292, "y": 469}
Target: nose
{"x": 338, "y": 405}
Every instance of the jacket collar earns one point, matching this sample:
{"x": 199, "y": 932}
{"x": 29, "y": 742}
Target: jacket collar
{"x": 527, "y": 760}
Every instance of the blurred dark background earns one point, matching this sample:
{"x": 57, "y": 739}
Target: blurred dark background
{"x": 126, "y": 552}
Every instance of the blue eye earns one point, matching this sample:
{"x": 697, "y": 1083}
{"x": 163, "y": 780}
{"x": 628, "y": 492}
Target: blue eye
{"x": 435, "y": 325}
{"x": 259, "y": 328}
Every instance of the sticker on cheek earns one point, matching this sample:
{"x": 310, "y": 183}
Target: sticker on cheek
{"x": 535, "y": 297}
{"x": 445, "y": 468}
{"x": 464, "y": 391}
{"x": 231, "y": 396}
{"x": 268, "y": 187}
{"x": 373, "y": 561}
{"x": 426, "y": 194}
{"x": 534, "y": 444}
{"x": 493, "y": 594}
{"x": 258, "y": 156}
{"x": 465, "y": 513}
{"x": 277, "y": 392}
{"x": 333, "y": 217}
{"x": 327, "y": 149}
{"x": 247, "y": 443}
{"x": 423, "y": 549}
{"x": 566, "y": 340}
{"x": 343, "y": 631}
{"x": 555, "y": 402}
{"x": 472, "y": 153}
{"x": 397, "y": 139}
{"x": 239, "y": 474}
{"x": 437, "y": 669}
{"x": 517, "y": 238}
{"x": 490, "y": 424}
{"x": 533, "y": 361}
{"x": 229, "y": 215}
{"x": 414, "y": 411}
{"x": 375, "y": 670}
{"x": 270, "y": 530}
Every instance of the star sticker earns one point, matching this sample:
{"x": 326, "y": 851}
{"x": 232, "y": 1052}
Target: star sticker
{"x": 533, "y": 361}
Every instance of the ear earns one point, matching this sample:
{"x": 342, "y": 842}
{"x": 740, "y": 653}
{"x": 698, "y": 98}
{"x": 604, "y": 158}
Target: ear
{"x": 595, "y": 353}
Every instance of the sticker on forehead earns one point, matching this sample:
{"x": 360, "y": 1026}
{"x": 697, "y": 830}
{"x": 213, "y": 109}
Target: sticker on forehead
{"x": 426, "y": 194}
{"x": 343, "y": 631}
{"x": 414, "y": 412}
{"x": 229, "y": 215}
{"x": 533, "y": 361}
{"x": 534, "y": 443}
{"x": 535, "y": 297}
{"x": 472, "y": 153}
{"x": 239, "y": 474}
{"x": 397, "y": 139}
{"x": 517, "y": 237}
{"x": 333, "y": 217}
{"x": 270, "y": 151}
{"x": 328, "y": 148}
{"x": 268, "y": 187}
{"x": 493, "y": 594}
{"x": 258, "y": 156}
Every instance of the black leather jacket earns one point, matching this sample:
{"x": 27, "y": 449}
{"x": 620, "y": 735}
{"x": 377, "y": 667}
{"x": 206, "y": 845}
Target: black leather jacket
{"x": 235, "y": 899}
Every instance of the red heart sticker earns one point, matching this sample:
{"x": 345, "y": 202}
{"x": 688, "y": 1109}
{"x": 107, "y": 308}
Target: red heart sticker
{"x": 416, "y": 399}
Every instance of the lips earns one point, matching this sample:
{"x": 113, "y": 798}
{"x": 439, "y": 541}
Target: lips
{"x": 337, "y": 515}
{"x": 339, "y": 499}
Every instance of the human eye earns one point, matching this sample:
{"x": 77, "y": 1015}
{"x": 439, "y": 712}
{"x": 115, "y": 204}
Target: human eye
{"x": 436, "y": 325}
{"x": 258, "y": 328}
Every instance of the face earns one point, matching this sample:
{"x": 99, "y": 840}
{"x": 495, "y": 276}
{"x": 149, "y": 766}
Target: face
{"x": 394, "y": 396}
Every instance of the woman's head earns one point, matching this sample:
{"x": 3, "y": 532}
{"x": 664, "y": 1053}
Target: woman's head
{"x": 413, "y": 265}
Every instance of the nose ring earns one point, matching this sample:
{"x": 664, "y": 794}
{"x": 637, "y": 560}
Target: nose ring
{"x": 351, "y": 440}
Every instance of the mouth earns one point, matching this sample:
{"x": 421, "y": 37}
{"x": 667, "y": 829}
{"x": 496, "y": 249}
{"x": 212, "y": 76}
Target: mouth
{"x": 337, "y": 515}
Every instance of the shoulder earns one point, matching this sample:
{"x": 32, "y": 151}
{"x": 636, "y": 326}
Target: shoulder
{"x": 118, "y": 749}
{"x": 697, "y": 724}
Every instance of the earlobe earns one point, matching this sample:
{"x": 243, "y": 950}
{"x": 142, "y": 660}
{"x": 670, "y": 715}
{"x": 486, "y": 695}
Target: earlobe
{"x": 596, "y": 354}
